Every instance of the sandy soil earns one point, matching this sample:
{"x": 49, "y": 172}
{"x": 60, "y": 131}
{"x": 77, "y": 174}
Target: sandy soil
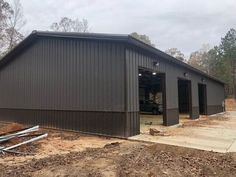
{"x": 58, "y": 142}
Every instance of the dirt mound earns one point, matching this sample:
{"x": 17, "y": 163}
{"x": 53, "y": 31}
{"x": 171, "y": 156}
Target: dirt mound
{"x": 131, "y": 159}
{"x": 163, "y": 160}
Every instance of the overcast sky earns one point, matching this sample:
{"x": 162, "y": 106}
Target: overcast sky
{"x": 184, "y": 24}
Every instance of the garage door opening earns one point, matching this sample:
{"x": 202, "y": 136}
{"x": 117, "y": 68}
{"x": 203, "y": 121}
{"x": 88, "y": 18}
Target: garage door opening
{"x": 202, "y": 99}
{"x": 184, "y": 97}
{"x": 151, "y": 98}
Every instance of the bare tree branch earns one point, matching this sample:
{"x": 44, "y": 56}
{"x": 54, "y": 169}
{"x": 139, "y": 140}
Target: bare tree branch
{"x": 68, "y": 25}
{"x": 15, "y": 24}
{"x": 11, "y": 22}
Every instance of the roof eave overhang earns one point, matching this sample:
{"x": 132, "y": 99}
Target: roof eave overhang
{"x": 169, "y": 58}
{"x": 93, "y": 36}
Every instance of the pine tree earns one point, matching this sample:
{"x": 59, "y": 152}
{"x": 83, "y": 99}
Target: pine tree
{"x": 228, "y": 47}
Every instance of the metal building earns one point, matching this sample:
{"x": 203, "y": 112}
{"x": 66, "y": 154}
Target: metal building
{"x": 90, "y": 83}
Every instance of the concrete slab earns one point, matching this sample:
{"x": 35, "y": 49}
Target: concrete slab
{"x": 154, "y": 119}
{"x": 232, "y": 147}
{"x": 198, "y": 143}
{"x": 215, "y": 133}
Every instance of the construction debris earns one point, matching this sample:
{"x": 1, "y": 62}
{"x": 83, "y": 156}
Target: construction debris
{"x": 25, "y": 142}
{"x": 148, "y": 123}
{"x": 20, "y": 135}
{"x": 155, "y": 132}
{"x": 112, "y": 145}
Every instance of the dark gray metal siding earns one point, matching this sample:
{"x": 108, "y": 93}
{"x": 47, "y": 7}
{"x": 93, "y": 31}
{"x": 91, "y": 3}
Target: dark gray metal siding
{"x": 215, "y": 97}
{"x": 69, "y": 84}
{"x": 215, "y": 93}
{"x": 64, "y": 74}
{"x": 106, "y": 123}
{"x": 136, "y": 58}
{"x": 90, "y": 85}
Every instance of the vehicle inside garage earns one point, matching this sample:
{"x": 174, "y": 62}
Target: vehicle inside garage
{"x": 151, "y": 97}
{"x": 184, "y": 98}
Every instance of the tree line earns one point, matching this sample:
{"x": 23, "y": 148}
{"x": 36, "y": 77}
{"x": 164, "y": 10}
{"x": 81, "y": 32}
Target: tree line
{"x": 219, "y": 61}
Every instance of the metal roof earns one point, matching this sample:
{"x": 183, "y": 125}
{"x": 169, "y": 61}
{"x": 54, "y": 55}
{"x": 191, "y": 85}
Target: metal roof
{"x": 101, "y": 36}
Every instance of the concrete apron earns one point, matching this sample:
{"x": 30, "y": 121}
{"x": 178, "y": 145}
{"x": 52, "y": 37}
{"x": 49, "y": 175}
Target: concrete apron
{"x": 219, "y": 137}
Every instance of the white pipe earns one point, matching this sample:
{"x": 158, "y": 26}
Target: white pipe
{"x": 10, "y": 136}
{"x": 26, "y": 142}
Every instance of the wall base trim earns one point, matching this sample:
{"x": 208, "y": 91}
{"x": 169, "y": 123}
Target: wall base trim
{"x": 214, "y": 109}
{"x": 195, "y": 113}
{"x": 104, "y": 123}
{"x": 172, "y": 117}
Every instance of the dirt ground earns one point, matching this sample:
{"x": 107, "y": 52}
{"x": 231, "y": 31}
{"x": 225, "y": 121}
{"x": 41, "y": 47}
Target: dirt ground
{"x": 127, "y": 159}
{"x": 74, "y": 154}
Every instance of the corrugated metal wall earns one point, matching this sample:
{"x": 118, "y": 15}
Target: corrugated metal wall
{"x": 136, "y": 58}
{"x": 108, "y": 123}
{"x": 215, "y": 94}
{"x": 67, "y": 83}
{"x": 63, "y": 74}
{"x": 215, "y": 97}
